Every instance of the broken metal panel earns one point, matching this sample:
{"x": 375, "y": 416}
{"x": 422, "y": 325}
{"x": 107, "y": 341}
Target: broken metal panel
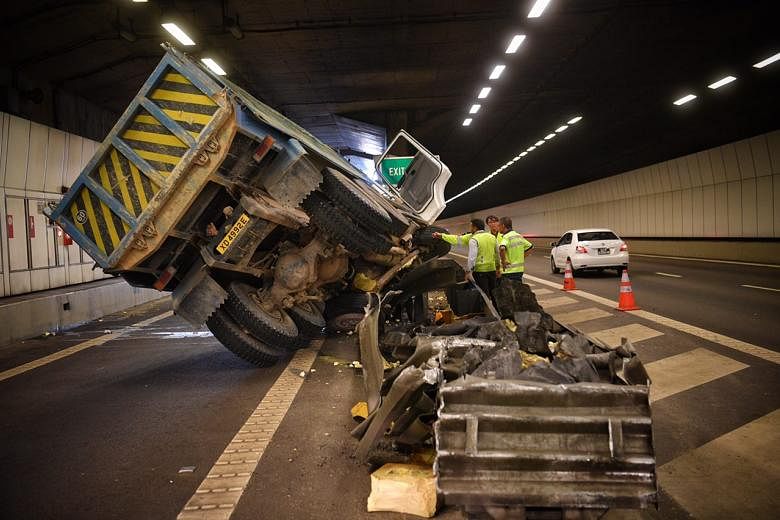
{"x": 516, "y": 443}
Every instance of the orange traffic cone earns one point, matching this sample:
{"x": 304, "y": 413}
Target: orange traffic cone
{"x": 626, "y": 301}
{"x": 568, "y": 278}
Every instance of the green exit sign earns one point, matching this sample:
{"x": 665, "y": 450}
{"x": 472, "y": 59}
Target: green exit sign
{"x": 394, "y": 168}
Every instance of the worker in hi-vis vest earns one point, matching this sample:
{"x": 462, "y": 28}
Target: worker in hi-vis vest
{"x": 462, "y": 240}
{"x": 512, "y": 249}
{"x": 482, "y": 263}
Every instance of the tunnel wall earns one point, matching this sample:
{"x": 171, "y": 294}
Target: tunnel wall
{"x": 720, "y": 203}
{"x": 36, "y": 163}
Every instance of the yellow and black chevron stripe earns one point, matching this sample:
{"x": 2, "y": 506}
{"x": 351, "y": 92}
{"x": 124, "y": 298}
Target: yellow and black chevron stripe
{"x": 183, "y": 102}
{"x": 122, "y": 179}
{"x": 154, "y": 142}
{"x": 94, "y": 218}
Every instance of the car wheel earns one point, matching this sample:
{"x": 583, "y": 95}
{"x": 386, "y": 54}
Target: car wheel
{"x": 553, "y": 268}
{"x": 620, "y": 271}
{"x": 573, "y": 270}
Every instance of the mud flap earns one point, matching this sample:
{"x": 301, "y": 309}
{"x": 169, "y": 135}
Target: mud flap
{"x": 197, "y": 296}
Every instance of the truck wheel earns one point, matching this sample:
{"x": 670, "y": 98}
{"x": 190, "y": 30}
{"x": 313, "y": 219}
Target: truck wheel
{"x": 432, "y": 247}
{"x": 347, "y": 196}
{"x": 241, "y": 343}
{"x": 274, "y": 328}
{"x": 309, "y": 319}
{"x": 345, "y": 311}
{"x": 332, "y": 221}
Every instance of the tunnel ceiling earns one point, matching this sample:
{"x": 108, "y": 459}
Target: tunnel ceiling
{"x": 420, "y": 64}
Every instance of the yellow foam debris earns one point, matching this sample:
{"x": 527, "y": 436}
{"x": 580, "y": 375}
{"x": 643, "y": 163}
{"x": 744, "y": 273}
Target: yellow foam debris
{"x": 359, "y": 411}
{"x": 403, "y": 488}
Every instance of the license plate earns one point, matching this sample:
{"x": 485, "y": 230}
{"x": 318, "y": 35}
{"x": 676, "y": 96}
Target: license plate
{"x": 604, "y": 251}
{"x": 231, "y": 235}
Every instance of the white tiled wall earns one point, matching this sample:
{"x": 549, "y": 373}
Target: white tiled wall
{"x": 728, "y": 191}
{"x": 35, "y": 162}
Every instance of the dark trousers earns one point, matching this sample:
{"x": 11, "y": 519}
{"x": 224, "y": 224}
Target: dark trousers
{"x": 513, "y": 276}
{"x": 486, "y": 282}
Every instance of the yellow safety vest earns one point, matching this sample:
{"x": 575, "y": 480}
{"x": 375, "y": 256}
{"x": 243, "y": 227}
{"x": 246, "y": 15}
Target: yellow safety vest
{"x": 515, "y": 246}
{"x": 486, "y": 252}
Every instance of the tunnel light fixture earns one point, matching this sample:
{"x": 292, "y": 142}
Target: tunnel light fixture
{"x": 517, "y": 40}
{"x": 721, "y": 82}
{"x": 768, "y": 61}
{"x": 685, "y": 99}
{"x": 574, "y": 120}
{"x": 140, "y": 1}
{"x": 177, "y": 33}
{"x": 474, "y": 109}
{"x": 497, "y": 71}
{"x": 485, "y": 92}
{"x": 512, "y": 161}
{"x": 467, "y": 121}
{"x": 213, "y": 66}
{"x": 538, "y": 8}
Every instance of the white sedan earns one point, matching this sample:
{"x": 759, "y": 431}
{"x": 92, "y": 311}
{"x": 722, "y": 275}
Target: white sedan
{"x": 589, "y": 249}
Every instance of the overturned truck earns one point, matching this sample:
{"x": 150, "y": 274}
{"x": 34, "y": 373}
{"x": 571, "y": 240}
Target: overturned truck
{"x": 250, "y": 221}
{"x": 528, "y": 418}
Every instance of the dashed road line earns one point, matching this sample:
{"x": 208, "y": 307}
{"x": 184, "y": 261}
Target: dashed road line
{"x": 94, "y": 342}
{"x": 733, "y": 476}
{"x": 670, "y": 275}
{"x": 219, "y": 492}
{"x": 759, "y": 287}
{"x": 726, "y": 341}
{"x": 675, "y": 374}
{"x": 634, "y": 332}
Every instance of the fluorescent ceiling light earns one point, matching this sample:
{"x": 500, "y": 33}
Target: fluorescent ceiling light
{"x": 497, "y": 70}
{"x": 178, "y": 34}
{"x": 685, "y": 99}
{"x": 523, "y": 154}
{"x": 721, "y": 82}
{"x": 213, "y": 66}
{"x": 574, "y": 120}
{"x": 467, "y": 121}
{"x": 538, "y": 8}
{"x": 549, "y": 136}
{"x": 531, "y": 149}
{"x": 140, "y": 1}
{"x": 538, "y": 143}
{"x": 517, "y": 157}
{"x": 474, "y": 109}
{"x": 561, "y": 128}
{"x": 517, "y": 39}
{"x": 763, "y": 63}
{"x": 484, "y": 92}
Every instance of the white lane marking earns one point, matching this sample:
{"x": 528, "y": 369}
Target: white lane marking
{"x": 572, "y": 317}
{"x": 94, "y": 342}
{"x": 219, "y": 493}
{"x": 670, "y": 275}
{"x": 556, "y": 302}
{"x": 735, "y": 344}
{"x": 737, "y": 473}
{"x": 759, "y": 287}
{"x": 681, "y": 372}
{"x": 634, "y": 332}
{"x": 734, "y": 262}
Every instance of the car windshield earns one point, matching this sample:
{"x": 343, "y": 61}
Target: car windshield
{"x": 596, "y": 235}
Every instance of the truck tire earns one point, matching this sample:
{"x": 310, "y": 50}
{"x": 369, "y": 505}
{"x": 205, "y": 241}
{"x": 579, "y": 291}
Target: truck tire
{"x": 241, "y": 343}
{"x": 309, "y": 319}
{"x": 431, "y": 247}
{"x": 341, "y": 190}
{"x": 332, "y": 221}
{"x": 276, "y": 329}
{"x": 345, "y": 311}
